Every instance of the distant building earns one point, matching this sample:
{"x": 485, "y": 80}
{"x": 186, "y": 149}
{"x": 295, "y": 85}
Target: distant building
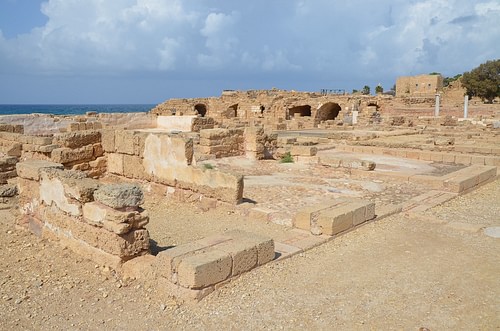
{"x": 421, "y": 85}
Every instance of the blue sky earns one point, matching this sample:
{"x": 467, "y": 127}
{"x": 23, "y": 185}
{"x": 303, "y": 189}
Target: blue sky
{"x": 147, "y": 51}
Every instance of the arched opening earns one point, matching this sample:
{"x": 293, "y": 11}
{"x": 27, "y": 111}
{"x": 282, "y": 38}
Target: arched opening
{"x": 201, "y": 109}
{"x": 328, "y": 111}
{"x": 231, "y": 111}
{"x": 300, "y": 111}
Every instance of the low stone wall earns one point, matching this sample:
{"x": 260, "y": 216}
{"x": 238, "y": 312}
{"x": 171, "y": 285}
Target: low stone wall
{"x": 101, "y": 222}
{"x": 167, "y": 159}
{"x": 460, "y": 181}
{"x": 334, "y": 217}
{"x": 416, "y": 154}
{"x": 196, "y": 268}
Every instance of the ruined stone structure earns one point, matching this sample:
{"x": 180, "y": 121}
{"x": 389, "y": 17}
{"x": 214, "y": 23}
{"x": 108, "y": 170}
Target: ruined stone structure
{"x": 231, "y": 152}
{"x": 274, "y": 109}
{"x": 419, "y": 86}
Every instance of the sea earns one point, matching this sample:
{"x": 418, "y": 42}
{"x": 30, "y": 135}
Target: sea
{"x": 73, "y": 109}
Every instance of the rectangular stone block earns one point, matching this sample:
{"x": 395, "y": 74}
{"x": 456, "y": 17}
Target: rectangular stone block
{"x": 31, "y": 169}
{"x": 334, "y": 221}
{"x": 67, "y": 155}
{"x": 42, "y": 141}
{"x": 304, "y": 217}
{"x": 124, "y": 142}
{"x": 76, "y": 139}
{"x": 264, "y": 245}
{"x": 167, "y": 261}
{"x": 133, "y": 167}
{"x": 108, "y": 140}
{"x": 115, "y": 163}
{"x": 303, "y": 151}
{"x": 244, "y": 255}
{"x": 204, "y": 269}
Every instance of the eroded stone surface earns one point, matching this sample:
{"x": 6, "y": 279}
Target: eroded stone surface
{"x": 119, "y": 195}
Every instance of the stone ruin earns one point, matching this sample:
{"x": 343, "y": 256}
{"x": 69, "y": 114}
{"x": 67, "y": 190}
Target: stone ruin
{"x": 55, "y": 165}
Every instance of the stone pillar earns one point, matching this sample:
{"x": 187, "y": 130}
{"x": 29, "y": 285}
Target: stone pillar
{"x": 354, "y": 117}
{"x": 466, "y": 106}
{"x": 436, "y": 110}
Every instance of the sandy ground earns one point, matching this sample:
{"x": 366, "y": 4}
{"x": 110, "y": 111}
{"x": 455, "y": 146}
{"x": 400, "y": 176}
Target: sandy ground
{"x": 437, "y": 270}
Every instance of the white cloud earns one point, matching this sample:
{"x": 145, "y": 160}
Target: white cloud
{"x": 320, "y": 38}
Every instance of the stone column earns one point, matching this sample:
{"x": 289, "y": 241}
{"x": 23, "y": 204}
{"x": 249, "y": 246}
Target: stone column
{"x": 436, "y": 110}
{"x": 466, "y": 106}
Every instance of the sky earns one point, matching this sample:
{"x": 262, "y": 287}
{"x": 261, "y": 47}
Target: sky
{"x": 148, "y": 51}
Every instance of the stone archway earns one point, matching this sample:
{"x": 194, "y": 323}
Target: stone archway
{"x": 328, "y": 111}
{"x": 200, "y": 109}
{"x": 300, "y": 111}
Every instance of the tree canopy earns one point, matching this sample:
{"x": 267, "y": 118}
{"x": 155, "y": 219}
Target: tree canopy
{"x": 484, "y": 81}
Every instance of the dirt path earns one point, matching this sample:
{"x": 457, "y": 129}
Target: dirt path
{"x": 437, "y": 270}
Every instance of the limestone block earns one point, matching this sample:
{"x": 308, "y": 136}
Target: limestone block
{"x": 362, "y": 211}
{"x": 306, "y": 216}
{"x": 124, "y": 141}
{"x": 119, "y": 195}
{"x": 31, "y": 169}
{"x": 140, "y": 143}
{"x": 303, "y": 151}
{"x": 334, "y": 221}
{"x": 214, "y": 183}
{"x": 101, "y": 215}
{"x": 133, "y": 167}
{"x": 67, "y": 155}
{"x": 77, "y": 139}
{"x": 76, "y": 183}
{"x": 329, "y": 161}
{"x": 14, "y": 149}
{"x": 42, "y": 141}
{"x": 47, "y": 148}
{"x": 115, "y": 163}
{"x": 52, "y": 192}
{"x": 167, "y": 261}
{"x": 108, "y": 140}
{"x": 264, "y": 244}
{"x": 164, "y": 154}
{"x": 28, "y": 188}
{"x": 204, "y": 269}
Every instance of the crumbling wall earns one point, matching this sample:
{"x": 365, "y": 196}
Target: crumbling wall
{"x": 101, "y": 222}
{"x": 79, "y": 150}
{"x": 221, "y": 142}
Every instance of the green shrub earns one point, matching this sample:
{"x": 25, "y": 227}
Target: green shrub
{"x": 208, "y": 166}
{"x": 287, "y": 158}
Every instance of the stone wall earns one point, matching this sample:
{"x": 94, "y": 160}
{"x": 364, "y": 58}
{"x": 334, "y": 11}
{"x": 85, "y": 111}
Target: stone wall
{"x": 167, "y": 159}
{"x": 101, "y": 222}
{"x": 221, "y": 142}
{"x": 420, "y": 85}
